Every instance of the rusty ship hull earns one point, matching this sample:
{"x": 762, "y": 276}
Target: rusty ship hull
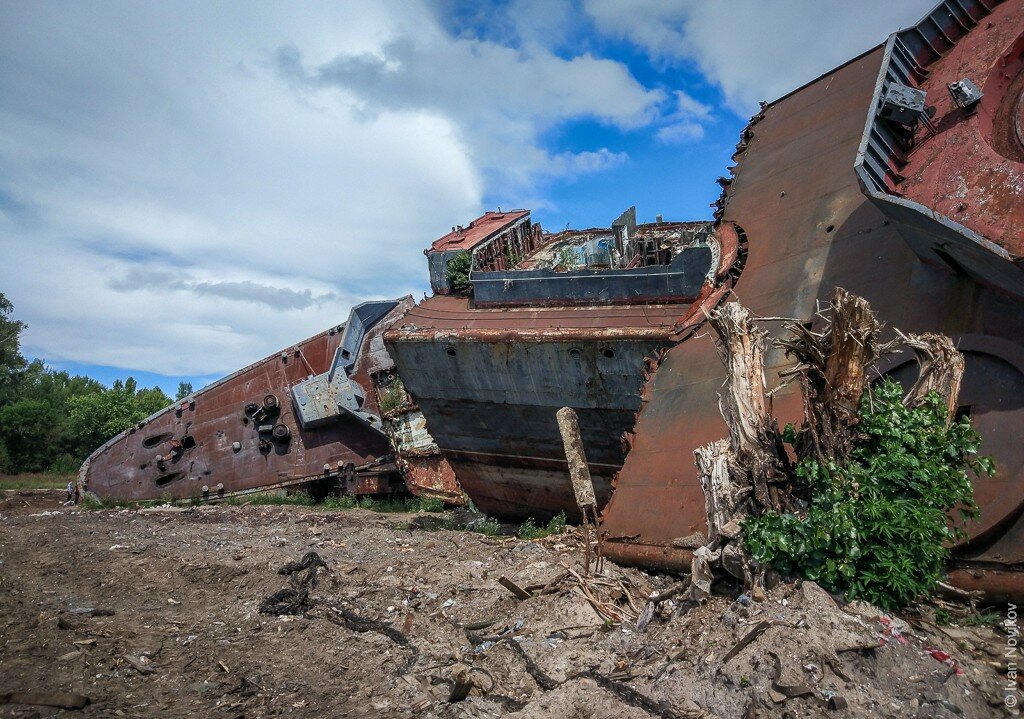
{"x": 490, "y": 380}
{"x": 245, "y": 433}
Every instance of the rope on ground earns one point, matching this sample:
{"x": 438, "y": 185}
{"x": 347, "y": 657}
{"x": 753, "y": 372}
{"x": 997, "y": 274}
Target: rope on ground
{"x": 356, "y": 623}
{"x": 623, "y": 691}
{"x": 302, "y": 577}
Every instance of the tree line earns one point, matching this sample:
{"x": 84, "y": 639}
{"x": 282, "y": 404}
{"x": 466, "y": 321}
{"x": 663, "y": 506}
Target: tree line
{"x": 50, "y": 420}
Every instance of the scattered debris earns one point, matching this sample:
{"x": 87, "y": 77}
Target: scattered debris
{"x": 637, "y": 647}
{"x": 93, "y": 612}
{"x": 139, "y": 664}
{"x": 747, "y": 639}
{"x": 463, "y": 683}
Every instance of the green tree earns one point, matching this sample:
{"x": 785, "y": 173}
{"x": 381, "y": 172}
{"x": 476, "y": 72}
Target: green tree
{"x": 63, "y": 451}
{"x": 95, "y": 418}
{"x": 28, "y": 429}
{"x": 11, "y": 361}
{"x": 184, "y": 390}
{"x": 52, "y": 420}
{"x": 457, "y": 271}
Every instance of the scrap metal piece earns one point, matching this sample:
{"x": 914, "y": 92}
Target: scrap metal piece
{"x": 902, "y": 104}
{"x": 965, "y": 93}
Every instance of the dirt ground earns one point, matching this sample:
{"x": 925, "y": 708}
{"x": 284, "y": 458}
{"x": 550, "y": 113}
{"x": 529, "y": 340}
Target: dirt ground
{"x": 402, "y": 612}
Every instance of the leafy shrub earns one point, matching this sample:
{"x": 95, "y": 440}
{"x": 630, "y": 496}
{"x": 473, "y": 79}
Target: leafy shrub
{"x": 272, "y": 498}
{"x": 345, "y": 501}
{"x": 530, "y": 530}
{"x": 392, "y": 396}
{"x": 64, "y": 464}
{"x": 878, "y": 528}
{"x": 457, "y": 271}
{"x": 90, "y": 501}
{"x": 557, "y": 524}
{"x": 431, "y": 504}
{"x": 566, "y": 259}
{"x": 385, "y": 505}
{"x": 488, "y": 527}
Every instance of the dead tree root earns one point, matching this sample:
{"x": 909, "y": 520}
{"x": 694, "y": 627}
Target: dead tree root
{"x": 633, "y": 698}
{"x": 544, "y": 681}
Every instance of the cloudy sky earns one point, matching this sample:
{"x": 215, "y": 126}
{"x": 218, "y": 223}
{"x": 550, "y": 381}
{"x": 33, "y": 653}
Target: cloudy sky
{"x": 186, "y": 187}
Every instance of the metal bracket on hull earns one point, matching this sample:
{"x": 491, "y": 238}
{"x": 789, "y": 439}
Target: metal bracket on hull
{"x": 326, "y": 397}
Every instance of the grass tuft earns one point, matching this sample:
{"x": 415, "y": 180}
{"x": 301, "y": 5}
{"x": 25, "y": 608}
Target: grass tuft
{"x": 488, "y": 527}
{"x": 35, "y": 480}
{"x": 530, "y": 530}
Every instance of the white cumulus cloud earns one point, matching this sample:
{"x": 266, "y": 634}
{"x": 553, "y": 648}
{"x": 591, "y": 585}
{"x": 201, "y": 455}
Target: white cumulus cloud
{"x": 755, "y": 49}
{"x": 187, "y": 186}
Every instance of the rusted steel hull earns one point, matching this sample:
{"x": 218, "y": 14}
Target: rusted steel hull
{"x": 976, "y": 152}
{"x": 498, "y": 428}
{"x": 997, "y": 584}
{"x": 214, "y": 444}
{"x": 811, "y": 227}
{"x": 517, "y": 488}
{"x": 490, "y": 382}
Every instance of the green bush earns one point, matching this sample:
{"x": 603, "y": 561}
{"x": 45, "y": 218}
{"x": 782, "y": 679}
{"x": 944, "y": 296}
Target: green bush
{"x": 557, "y": 524}
{"x": 89, "y": 501}
{"x": 392, "y": 396}
{"x": 530, "y": 530}
{"x": 488, "y": 527}
{"x": 64, "y": 464}
{"x": 565, "y": 259}
{"x": 345, "y": 501}
{"x": 878, "y": 528}
{"x": 431, "y": 504}
{"x": 457, "y": 271}
{"x": 385, "y": 505}
{"x": 271, "y": 498}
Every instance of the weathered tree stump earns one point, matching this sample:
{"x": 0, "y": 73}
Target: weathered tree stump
{"x": 941, "y": 370}
{"x": 751, "y": 472}
{"x": 744, "y": 403}
{"x": 832, "y": 369}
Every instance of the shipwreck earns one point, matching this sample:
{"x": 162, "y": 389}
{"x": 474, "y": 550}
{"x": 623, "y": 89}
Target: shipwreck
{"x": 898, "y": 176}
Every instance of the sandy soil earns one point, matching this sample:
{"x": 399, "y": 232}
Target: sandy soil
{"x": 186, "y": 637}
